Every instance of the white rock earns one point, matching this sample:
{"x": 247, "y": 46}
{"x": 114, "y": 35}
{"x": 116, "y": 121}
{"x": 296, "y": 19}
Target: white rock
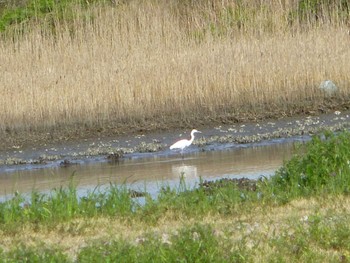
{"x": 328, "y": 87}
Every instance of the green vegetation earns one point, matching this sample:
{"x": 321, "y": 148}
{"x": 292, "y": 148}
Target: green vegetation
{"x": 37, "y": 254}
{"x": 320, "y": 10}
{"x": 44, "y": 11}
{"x": 239, "y": 15}
{"x": 300, "y": 214}
{"x": 191, "y": 244}
{"x": 324, "y": 169}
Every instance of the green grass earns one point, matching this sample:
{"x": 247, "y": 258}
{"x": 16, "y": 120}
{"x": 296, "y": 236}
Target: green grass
{"x": 325, "y": 233}
{"x": 33, "y": 254}
{"x": 192, "y": 244}
{"x": 63, "y": 204}
{"x": 242, "y": 15}
{"x": 323, "y": 169}
{"x": 47, "y": 12}
{"x": 298, "y": 215}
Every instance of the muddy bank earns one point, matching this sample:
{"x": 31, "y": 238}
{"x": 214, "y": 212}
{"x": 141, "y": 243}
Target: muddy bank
{"x": 61, "y": 134}
{"x": 144, "y": 143}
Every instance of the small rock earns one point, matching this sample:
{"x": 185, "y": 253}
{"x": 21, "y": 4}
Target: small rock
{"x": 114, "y": 156}
{"x": 67, "y": 163}
{"x": 328, "y": 87}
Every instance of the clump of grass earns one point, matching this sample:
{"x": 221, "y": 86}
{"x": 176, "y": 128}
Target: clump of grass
{"x": 63, "y": 204}
{"x": 312, "y": 237}
{"x": 324, "y": 168}
{"x": 49, "y": 13}
{"x": 191, "y": 244}
{"x": 40, "y": 253}
{"x": 116, "y": 201}
{"x": 12, "y": 210}
{"x": 316, "y": 11}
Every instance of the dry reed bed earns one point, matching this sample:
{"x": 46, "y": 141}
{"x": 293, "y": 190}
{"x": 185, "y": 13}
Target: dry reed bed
{"x": 152, "y": 61}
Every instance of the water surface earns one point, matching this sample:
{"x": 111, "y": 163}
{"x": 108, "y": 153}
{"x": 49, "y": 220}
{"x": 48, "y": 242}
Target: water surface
{"x": 149, "y": 173}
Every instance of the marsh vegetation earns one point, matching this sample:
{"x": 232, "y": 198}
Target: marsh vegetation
{"x": 120, "y": 66}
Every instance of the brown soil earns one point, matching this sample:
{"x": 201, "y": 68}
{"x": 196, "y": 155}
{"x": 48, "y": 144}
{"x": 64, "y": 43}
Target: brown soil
{"x": 40, "y": 137}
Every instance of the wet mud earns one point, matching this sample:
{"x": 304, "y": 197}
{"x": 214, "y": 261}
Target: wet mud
{"x": 114, "y": 149}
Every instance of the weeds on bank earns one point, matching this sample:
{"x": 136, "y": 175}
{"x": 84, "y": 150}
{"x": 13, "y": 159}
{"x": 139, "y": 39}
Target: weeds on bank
{"x": 321, "y": 169}
{"x": 319, "y": 238}
{"x": 311, "y": 241}
{"x": 191, "y": 244}
{"x": 64, "y": 204}
{"x": 313, "y": 238}
{"x": 34, "y": 254}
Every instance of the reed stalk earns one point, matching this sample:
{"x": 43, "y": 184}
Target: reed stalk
{"x": 168, "y": 61}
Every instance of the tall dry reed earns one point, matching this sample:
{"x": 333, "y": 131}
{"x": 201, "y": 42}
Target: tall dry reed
{"x": 161, "y": 60}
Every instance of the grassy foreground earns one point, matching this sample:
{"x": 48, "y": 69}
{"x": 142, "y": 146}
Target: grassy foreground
{"x": 108, "y": 65}
{"x": 301, "y": 214}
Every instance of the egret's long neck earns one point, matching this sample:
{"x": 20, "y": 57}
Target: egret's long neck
{"x": 192, "y": 137}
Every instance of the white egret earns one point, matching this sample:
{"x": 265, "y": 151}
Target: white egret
{"x": 182, "y": 144}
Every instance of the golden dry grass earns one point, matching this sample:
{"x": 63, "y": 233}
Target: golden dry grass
{"x": 163, "y": 61}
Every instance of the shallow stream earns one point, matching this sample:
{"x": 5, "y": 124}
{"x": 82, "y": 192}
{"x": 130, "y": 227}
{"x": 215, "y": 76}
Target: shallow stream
{"x": 246, "y": 150}
{"x": 149, "y": 173}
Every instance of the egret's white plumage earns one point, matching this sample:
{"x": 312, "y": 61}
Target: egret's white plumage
{"x": 182, "y": 144}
